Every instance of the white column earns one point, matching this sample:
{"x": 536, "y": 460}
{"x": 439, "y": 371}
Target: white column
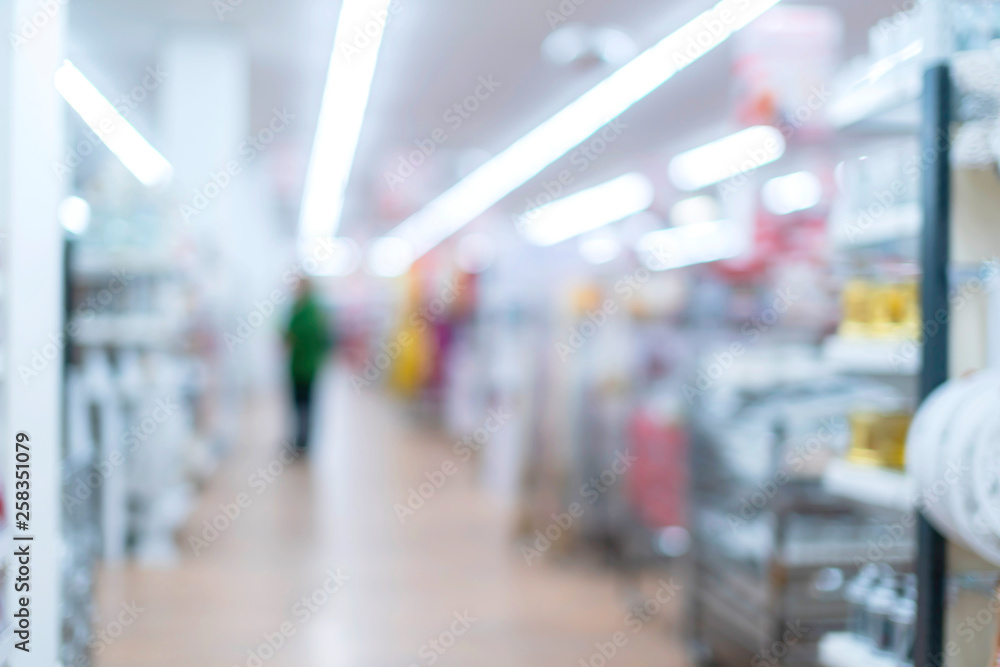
{"x": 31, "y": 136}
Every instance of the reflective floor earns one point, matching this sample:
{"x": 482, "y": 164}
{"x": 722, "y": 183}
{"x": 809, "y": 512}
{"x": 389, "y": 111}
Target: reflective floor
{"x": 310, "y": 565}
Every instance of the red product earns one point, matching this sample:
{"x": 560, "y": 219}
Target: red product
{"x": 658, "y": 479}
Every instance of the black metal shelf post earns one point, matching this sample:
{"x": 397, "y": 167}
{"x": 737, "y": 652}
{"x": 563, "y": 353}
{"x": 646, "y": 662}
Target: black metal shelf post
{"x": 936, "y": 194}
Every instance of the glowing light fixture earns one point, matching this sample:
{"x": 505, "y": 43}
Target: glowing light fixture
{"x": 727, "y": 157}
{"x": 138, "y": 156}
{"x": 592, "y": 208}
{"x": 389, "y": 257}
{"x": 794, "y": 192}
{"x": 516, "y": 165}
{"x": 692, "y": 244}
{"x": 600, "y": 247}
{"x": 74, "y": 214}
{"x": 342, "y": 113}
{"x": 342, "y": 257}
{"x": 695, "y": 209}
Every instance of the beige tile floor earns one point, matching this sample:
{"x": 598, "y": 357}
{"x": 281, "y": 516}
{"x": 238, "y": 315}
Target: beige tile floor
{"x": 405, "y": 582}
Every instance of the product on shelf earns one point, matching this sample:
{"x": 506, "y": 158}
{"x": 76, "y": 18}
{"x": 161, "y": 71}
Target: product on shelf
{"x": 879, "y": 438}
{"x": 953, "y": 459}
{"x": 883, "y": 612}
{"x": 880, "y": 310}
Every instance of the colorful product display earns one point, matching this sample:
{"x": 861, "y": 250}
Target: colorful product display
{"x": 880, "y": 310}
{"x": 879, "y": 439}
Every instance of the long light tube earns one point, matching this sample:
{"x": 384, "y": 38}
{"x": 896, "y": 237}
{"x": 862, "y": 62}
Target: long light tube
{"x": 794, "y": 192}
{"x": 138, "y": 156}
{"x": 360, "y": 27}
{"x": 692, "y": 244}
{"x": 592, "y": 208}
{"x": 724, "y": 158}
{"x": 529, "y": 155}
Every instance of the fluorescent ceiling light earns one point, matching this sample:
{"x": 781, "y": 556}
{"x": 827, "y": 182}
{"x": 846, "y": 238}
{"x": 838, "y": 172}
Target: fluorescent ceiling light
{"x": 341, "y": 115}
{"x": 693, "y": 244}
{"x": 695, "y": 209}
{"x": 598, "y": 206}
{"x": 724, "y": 158}
{"x": 600, "y": 247}
{"x": 117, "y": 134}
{"x": 389, "y": 257}
{"x": 529, "y": 155}
{"x": 794, "y": 192}
{"x": 891, "y": 62}
{"x": 74, "y": 214}
{"x": 343, "y": 258}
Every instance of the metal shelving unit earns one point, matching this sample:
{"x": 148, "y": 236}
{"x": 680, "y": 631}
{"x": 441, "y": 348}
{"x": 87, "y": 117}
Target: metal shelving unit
{"x": 931, "y": 566}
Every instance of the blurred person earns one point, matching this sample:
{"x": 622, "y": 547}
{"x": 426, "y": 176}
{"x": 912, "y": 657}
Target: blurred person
{"x": 308, "y": 340}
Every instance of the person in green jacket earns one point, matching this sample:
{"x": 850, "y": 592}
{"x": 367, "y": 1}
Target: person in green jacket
{"x": 308, "y": 342}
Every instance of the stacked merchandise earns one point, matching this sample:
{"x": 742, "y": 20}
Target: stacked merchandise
{"x": 773, "y": 549}
{"x": 144, "y": 424}
{"x": 949, "y": 449}
{"x": 136, "y": 400}
{"x": 954, "y": 461}
{"x": 881, "y": 620}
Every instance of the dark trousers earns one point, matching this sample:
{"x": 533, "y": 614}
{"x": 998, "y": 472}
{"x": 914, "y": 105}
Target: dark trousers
{"x": 302, "y": 396}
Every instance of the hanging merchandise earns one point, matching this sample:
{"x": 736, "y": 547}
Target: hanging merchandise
{"x": 954, "y": 437}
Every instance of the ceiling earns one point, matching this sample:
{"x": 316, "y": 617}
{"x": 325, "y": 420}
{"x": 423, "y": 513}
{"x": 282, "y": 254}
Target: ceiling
{"x": 433, "y": 55}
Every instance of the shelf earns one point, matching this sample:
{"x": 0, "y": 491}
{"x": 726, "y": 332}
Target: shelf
{"x": 869, "y": 356}
{"x": 130, "y": 330}
{"x": 869, "y": 485}
{"x": 858, "y": 229}
{"x": 886, "y": 103}
{"x": 840, "y": 649}
{"x": 101, "y": 264}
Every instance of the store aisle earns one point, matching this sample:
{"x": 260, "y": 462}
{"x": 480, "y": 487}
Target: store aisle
{"x": 315, "y": 568}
